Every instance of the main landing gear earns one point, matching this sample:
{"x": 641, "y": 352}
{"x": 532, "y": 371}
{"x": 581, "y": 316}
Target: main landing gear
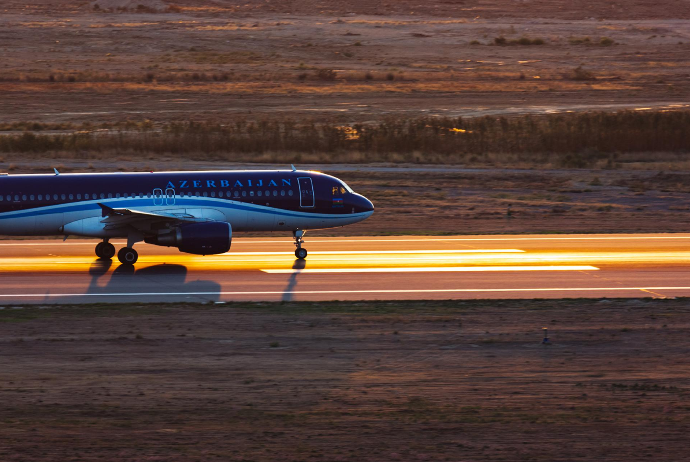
{"x": 127, "y": 256}
{"x": 300, "y": 252}
{"x": 106, "y": 251}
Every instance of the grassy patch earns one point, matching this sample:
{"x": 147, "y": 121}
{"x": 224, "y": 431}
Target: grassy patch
{"x": 581, "y": 140}
{"x": 524, "y": 41}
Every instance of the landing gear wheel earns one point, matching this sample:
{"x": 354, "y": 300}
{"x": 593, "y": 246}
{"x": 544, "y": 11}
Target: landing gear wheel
{"x": 301, "y": 253}
{"x": 127, "y": 256}
{"x": 107, "y": 251}
{"x": 99, "y": 249}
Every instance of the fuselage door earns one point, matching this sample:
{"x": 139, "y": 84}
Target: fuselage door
{"x": 306, "y": 192}
{"x": 169, "y": 196}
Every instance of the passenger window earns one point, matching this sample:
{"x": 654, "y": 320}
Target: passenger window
{"x": 40, "y": 197}
{"x": 23, "y": 197}
{"x": 2, "y": 198}
{"x": 110, "y": 195}
{"x": 9, "y": 198}
{"x": 244, "y": 193}
{"x": 275, "y": 192}
{"x": 258, "y": 193}
{"x": 55, "y": 196}
{"x": 62, "y": 196}
{"x": 197, "y": 193}
{"x": 117, "y": 195}
{"x": 78, "y": 196}
{"x": 282, "y": 192}
{"x": 251, "y": 193}
{"x": 31, "y": 197}
{"x": 71, "y": 197}
{"x": 290, "y": 192}
{"x": 102, "y": 196}
{"x": 86, "y": 196}
{"x": 237, "y": 194}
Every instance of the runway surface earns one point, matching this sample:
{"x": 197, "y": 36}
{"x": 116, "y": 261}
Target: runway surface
{"x": 355, "y": 268}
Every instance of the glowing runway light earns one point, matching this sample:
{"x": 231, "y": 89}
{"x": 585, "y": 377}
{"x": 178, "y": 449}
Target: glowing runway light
{"x": 427, "y": 269}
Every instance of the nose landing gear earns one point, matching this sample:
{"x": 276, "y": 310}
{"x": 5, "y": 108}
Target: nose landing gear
{"x": 105, "y": 250}
{"x": 300, "y": 252}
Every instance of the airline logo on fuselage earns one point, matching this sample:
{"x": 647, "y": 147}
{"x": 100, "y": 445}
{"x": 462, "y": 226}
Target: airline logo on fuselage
{"x": 247, "y": 183}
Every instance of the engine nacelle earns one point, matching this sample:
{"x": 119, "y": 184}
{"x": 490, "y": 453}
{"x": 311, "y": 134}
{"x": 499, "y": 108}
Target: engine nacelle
{"x": 197, "y": 238}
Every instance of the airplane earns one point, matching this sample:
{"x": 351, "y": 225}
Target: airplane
{"x": 195, "y": 211}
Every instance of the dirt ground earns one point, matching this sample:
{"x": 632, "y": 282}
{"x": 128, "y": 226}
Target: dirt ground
{"x": 213, "y": 60}
{"x": 521, "y": 201}
{"x": 347, "y": 381}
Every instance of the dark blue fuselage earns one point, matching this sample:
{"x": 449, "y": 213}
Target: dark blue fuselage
{"x": 248, "y": 200}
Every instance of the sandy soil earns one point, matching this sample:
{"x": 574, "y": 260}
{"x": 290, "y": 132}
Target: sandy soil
{"x": 65, "y": 61}
{"x": 385, "y": 381}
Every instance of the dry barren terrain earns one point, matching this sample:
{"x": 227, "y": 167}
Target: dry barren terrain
{"x": 346, "y": 381}
{"x": 352, "y": 61}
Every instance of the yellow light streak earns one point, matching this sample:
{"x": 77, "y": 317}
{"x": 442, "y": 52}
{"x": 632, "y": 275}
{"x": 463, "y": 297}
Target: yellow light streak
{"x": 441, "y": 269}
{"x": 256, "y": 261}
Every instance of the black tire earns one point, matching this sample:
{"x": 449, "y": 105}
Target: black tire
{"x": 107, "y": 251}
{"x": 301, "y": 253}
{"x": 99, "y": 249}
{"x": 127, "y": 256}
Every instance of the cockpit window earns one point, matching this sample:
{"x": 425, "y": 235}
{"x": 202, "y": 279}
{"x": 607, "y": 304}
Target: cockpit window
{"x": 347, "y": 188}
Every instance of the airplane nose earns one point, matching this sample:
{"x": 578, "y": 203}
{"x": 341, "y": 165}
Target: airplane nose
{"x": 362, "y": 204}
{"x": 369, "y": 207}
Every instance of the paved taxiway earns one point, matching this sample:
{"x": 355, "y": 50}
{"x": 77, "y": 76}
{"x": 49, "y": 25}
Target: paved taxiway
{"x": 354, "y": 268}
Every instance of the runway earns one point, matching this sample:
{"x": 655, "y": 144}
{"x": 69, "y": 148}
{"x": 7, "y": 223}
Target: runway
{"x": 354, "y": 268}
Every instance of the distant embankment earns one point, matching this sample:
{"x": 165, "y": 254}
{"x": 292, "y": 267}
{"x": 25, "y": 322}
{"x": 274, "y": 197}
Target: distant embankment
{"x": 565, "y": 140}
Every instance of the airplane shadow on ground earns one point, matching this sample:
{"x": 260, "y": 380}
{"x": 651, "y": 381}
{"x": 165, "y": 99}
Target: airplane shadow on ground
{"x": 292, "y": 282}
{"x": 157, "y": 279}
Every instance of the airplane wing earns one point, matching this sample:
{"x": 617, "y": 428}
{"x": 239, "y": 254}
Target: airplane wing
{"x": 144, "y": 221}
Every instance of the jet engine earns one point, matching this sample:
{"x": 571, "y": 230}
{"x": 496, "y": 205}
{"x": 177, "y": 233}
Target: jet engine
{"x": 197, "y": 238}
